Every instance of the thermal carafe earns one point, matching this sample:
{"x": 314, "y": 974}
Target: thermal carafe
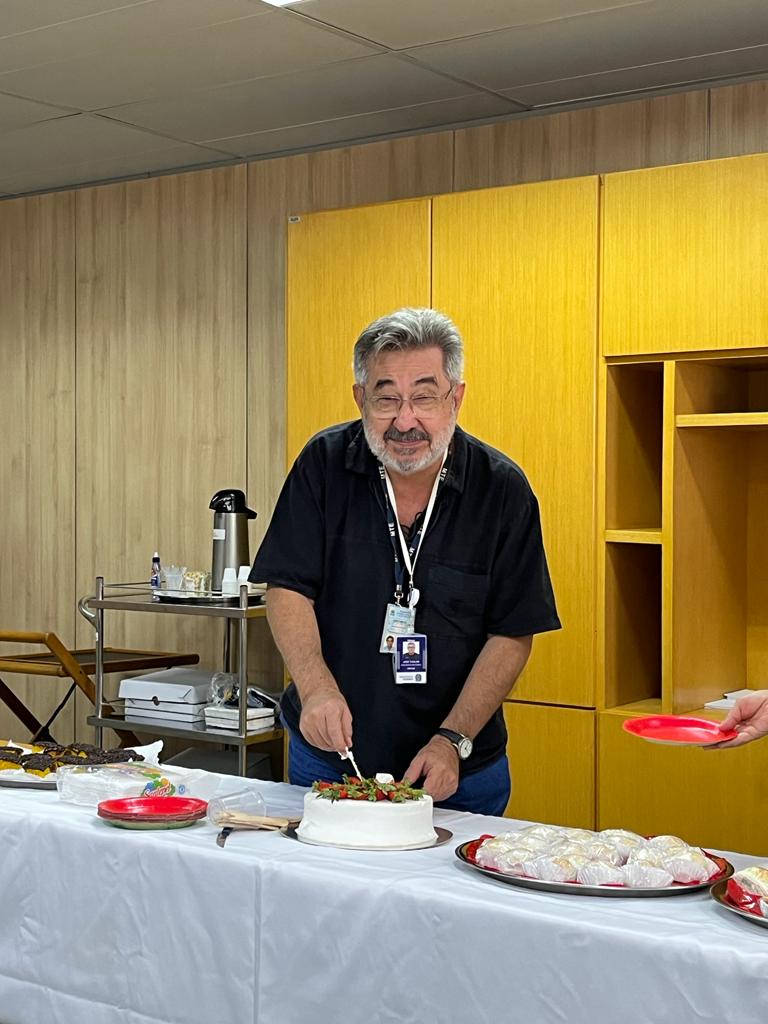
{"x": 230, "y": 533}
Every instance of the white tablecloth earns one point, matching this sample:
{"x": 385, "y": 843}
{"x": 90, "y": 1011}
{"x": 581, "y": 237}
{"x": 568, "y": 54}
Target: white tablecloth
{"x": 100, "y": 925}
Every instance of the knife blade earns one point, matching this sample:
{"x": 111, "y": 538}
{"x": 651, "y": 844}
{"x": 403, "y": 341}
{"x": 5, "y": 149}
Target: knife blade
{"x": 224, "y": 835}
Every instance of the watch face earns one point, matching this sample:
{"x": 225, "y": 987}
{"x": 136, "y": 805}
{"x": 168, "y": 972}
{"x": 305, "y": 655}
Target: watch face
{"x": 464, "y": 746}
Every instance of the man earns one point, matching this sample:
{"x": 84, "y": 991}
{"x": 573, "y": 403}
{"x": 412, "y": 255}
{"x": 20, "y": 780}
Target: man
{"x": 400, "y": 523}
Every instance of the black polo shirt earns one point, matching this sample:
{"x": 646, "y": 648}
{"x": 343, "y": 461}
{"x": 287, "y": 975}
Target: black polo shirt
{"x": 481, "y": 570}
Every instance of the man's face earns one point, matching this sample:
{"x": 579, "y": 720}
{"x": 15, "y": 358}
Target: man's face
{"x": 411, "y": 438}
{"x": 411, "y": 647}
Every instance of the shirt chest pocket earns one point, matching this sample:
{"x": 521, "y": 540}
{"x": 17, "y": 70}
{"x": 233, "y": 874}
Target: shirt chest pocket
{"x": 455, "y": 602}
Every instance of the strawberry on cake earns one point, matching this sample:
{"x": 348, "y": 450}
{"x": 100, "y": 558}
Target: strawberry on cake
{"x": 376, "y": 813}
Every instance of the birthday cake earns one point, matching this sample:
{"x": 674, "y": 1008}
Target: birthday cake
{"x": 367, "y": 814}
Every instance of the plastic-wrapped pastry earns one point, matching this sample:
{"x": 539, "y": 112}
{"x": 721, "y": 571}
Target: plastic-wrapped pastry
{"x": 606, "y": 853}
{"x": 551, "y": 869}
{"x": 596, "y": 873}
{"x": 753, "y": 880}
{"x": 566, "y": 848}
{"x": 668, "y": 844}
{"x": 647, "y": 855}
{"x": 624, "y": 841}
{"x": 546, "y": 832}
{"x": 690, "y": 866}
{"x": 644, "y": 876}
{"x": 578, "y": 835}
{"x": 509, "y": 860}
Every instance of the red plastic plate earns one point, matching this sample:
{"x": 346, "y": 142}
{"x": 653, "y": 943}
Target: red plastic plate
{"x": 153, "y": 808}
{"x": 697, "y": 732}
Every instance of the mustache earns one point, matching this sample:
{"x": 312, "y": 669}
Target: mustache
{"x": 393, "y": 434}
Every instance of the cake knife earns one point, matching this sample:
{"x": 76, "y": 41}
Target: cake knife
{"x": 347, "y": 753}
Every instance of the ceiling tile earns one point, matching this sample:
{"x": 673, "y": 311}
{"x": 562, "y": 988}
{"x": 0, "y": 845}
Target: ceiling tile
{"x": 16, "y": 113}
{"x": 81, "y": 139}
{"x": 401, "y": 23}
{"x": 338, "y": 90}
{"x": 123, "y": 26}
{"x": 652, "y": 76}
{"x": 365, "y": 126}
{"x": 608, "y": 40}
{"x": 255, "y": 47}
{"x": 25, "y": 16}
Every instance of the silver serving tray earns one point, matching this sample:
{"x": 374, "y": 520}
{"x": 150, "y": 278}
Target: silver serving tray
{"x": 577, "y": 889}
{"x": 28, "y": 783}
{"x": 218, "y": 600}
{"x": 718, "y": 894}
{"x": 443, "y": 835}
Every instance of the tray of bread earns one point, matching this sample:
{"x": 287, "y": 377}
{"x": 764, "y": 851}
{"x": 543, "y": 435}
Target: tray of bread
{"x": 614, "y": 862}
{"x": 745, "y": 894}
{"x": 34, "y": 765}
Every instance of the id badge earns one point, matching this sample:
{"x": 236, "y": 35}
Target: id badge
{"x": 411, "y": 659}
{"x": 398, "y": 621}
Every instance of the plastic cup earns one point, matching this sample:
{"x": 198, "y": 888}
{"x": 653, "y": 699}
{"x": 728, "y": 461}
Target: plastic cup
{"x": 244, "y": 801}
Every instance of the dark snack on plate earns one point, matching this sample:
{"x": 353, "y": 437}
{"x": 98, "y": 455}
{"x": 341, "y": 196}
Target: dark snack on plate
{"x": 82, "y": 749}
{"x": 10, "y": 757}
{"x": 68, "y": 759}
{"x": 122, "y": 754}
{"x": 38, "y": 764}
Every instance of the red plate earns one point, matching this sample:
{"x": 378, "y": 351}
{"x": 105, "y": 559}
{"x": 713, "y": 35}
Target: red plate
{"x": 697, "y": 732}
{"x": 153, "y": 809}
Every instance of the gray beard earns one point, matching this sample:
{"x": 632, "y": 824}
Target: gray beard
{"x": 438, "y": 445}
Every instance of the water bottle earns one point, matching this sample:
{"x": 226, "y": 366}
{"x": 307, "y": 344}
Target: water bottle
{"x": 154, "y": 579}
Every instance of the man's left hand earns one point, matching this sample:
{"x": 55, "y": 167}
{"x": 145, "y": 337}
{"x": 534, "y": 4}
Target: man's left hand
{"x": 438, "y": 764}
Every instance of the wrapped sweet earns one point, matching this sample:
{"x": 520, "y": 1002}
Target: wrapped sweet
{"x": 624, "y": 841}
{"x": 748, "y": 889}
{"x": 502, "y": 858}
{"x": 595, "y": 873}
{"x": 753, "y": 880}
{"x": 541, "y": 832}
{"x": 691, "y": 866}
{"x": 606, "y": 853}
{"x": 647, "y": 855}
{"x": 551, "y": 869}
{"x": 645, "y": 876}
{"x": 667, "y": 844}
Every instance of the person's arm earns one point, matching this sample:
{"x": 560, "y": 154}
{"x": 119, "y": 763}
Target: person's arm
{"x": 493, "y": 675}
{"x": 326, "y": 721}
{"x": 749, "y": 718}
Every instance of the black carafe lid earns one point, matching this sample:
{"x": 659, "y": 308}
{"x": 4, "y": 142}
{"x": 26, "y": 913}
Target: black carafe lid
{"x": 231, "y": 500}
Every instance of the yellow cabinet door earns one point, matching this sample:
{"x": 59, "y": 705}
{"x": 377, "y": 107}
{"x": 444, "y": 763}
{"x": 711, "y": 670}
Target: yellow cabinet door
{"x": 345, "y": 268}
{"x": 685, "y": 255}
{"x": 551, "y": 755}
{"x": 711, "y": 798}
{"x": 516, "y": 268}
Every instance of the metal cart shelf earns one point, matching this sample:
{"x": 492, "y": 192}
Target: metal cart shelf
{"x": 136, "y": 597}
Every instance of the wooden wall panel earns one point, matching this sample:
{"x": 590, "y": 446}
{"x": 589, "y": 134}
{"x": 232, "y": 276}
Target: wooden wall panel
{"x": 517, "y": 270}
{"x": 37, "y": 427}
{"x": 618, "y": 136}
{"x": 161, "y": 352}
{"x": 738, "y": 119}
{"x": 355, "y": 176}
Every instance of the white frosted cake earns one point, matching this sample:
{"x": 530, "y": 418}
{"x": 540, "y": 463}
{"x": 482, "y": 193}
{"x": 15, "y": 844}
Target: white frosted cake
{"x": 367, "y": 814}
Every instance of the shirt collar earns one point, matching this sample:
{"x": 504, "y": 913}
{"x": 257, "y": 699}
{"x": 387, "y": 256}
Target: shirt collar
{"x": 360, "y": 459}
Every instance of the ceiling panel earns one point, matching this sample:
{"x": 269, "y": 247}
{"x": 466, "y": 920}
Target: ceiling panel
{"x": 402, "y": 23}
{"x": 253, "y": 47}
{"x": 338, "y": 90}
{"x": 654, "y": 76}
{"x": 26, "y": 15}
{"x": 124, "y": 26}
{"x": 363, "y": 126}
{"x": 16, "y": 113}
{"x": 85, "y": 140}
{"x": 624, "y": 37}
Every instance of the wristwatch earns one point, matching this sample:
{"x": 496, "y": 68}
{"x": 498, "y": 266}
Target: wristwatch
{"x": 462, "y": 743}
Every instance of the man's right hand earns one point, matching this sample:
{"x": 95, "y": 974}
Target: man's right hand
{"x": 326, "y": 721}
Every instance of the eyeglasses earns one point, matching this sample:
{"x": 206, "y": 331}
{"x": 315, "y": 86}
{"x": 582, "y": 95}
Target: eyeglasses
{"x": 389, "y": 406}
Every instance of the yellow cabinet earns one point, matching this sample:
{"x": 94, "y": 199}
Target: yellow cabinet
{"x": 712, "y": 798}
{"x": 685, "y": 251}
{"x": 516, "y": 268}
{"x": 552, "y": 762}
{"x": 345, "y": 268}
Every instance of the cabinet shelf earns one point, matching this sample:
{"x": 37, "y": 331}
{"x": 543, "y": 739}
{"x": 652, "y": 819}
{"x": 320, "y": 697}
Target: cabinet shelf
{"x": 640, "y": 535}
{"x": 732, "y": 420}
{"x": 198, "y": 733}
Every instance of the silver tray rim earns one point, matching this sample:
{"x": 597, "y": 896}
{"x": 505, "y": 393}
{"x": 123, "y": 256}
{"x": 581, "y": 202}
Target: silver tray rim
{"x": 717, "y": 892}
{"x": 9, "y": 783}
{"x": 577, "y": 889}
{"x": 219, "y": 600}
{"x": 443, "y": 836}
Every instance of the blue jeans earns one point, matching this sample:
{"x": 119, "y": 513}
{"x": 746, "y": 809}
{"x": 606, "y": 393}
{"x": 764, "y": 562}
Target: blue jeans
{"x": 485, "y": 791}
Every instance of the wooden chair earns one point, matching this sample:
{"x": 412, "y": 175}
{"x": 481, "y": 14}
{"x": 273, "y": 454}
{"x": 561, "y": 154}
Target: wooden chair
{"x": 79, "y": 666}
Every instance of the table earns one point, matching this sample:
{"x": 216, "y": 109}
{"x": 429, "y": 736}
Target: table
{"x": 106, "y": 926}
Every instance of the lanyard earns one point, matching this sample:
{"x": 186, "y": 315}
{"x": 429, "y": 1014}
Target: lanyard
{"x": 409, "y": 552}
